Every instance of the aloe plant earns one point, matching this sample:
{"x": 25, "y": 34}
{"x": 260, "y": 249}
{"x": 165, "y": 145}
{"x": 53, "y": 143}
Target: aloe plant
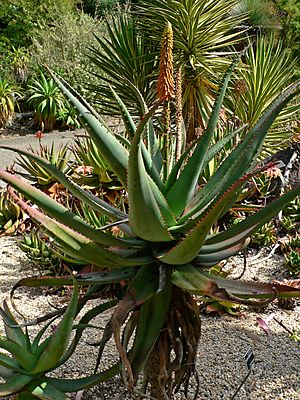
{"x": 11, "y": 215}
{"x": 165, "y": 241}
{"x": 60, "y": 157}
{"x": 46, "y": 100}
{"x": 25, "y": 364}
{"x": 8, "y": 102}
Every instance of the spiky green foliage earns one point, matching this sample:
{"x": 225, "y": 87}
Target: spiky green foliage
{"x": 203, "y": 34}
{"x": 8, "y": 94}
{"x": 166, "y": 239}
{"x": 11, "y": 215}
{"x": 25, "y": 366}
{"x": 58, "y": 156}
{"x": 134, "y": 57}
{"x": 268, "y": 68}
{"x": 46, "y": 101}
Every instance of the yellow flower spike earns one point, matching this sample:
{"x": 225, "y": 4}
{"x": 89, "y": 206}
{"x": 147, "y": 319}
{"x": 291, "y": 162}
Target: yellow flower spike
{"x": 165, "y": 84}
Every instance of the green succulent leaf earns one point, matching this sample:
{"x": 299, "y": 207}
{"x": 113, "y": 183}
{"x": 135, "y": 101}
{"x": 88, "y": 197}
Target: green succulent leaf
{"x": 151, "y": 320}
{"x": 238, "y": 233}
{"x": 241, "y": 158}
{"x": 60, "y": 338}
{"x": 46, "y": 391}
{"x": 192, "y": 279}
{"x": 148, "y": 211}
{"x": 14, "y": 384}
{"x": 78, "y": 246}
{"x": 184, "y": 187}
{"x": 10, "y": 364}
{"x": 23, "y": 356}
{"x": 13, "y": 332}
{"x": 61, "y": 213}
{"x": 74, "y": 385}
{"x": 188, "y": 248}
{"x": 111, "y": 149}
{"x": 88, "y": 316}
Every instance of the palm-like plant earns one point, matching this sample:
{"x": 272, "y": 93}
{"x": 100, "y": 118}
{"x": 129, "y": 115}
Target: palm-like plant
{"x": 203, "y": 34}
{"x": 46, "y": 100}
{"x": 268, "y": 69}
{"x": 134, "y": 57}
{"x": 165, "y": 242}
{"x": 260, "y": 16}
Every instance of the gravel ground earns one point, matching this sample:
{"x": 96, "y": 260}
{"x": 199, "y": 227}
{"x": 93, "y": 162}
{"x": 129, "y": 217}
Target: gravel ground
{"x": 224, "y": 341}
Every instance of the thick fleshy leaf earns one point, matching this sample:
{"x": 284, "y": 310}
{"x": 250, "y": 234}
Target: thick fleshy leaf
{"x": 86, "y": 279}
{"x": 151, "y": 320}
{"x": 61, "y": 213}
{"x": 46, "y": 391}
{"x": 192, "y": 279}
{"x": 5, "y": 372}
{"x": 242, "y": 157}
{"x": 77, "y": 245}
{"x": 23, "y": 356}
{"x": 184, "y": 187}
{"x": 238, "y": 233}
{"x": 131, "y": 129}
{"x": 217, "y": 147}
{"x": 83, "y": 195}
{"x": 188, "y": 248}
{"x": 145, "y": 215}
{"x": 137, "y": 294}
{"x": 74, "y": 385}
{"x": 88, "y": 316}
{"x": 10, "y": 364}
{"x": 15, "y": 334}
{"x": 111, "y": 149}
{"x": 14, "y": 384}
{"x": 60, "y": 338}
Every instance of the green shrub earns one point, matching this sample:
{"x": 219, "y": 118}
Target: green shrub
{"x": 64, "y": 46}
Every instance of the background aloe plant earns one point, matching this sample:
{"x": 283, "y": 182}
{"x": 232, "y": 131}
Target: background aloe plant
{"x": 165, "y": 240}
{"x": 8, "y": 101}
{"x": 46, "y": 100}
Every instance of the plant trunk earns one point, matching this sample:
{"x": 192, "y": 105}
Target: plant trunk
{"x": 172, "y": 362}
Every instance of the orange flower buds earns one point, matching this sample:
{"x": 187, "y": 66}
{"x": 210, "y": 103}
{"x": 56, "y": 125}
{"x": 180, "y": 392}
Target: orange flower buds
{"x": 165, "y": 84}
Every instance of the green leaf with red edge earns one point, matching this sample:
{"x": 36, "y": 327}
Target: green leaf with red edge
{"x": 109, "y": 146}
{"x": 78, "y": 246}
{"x": 188, "y": 248}
{"x": 83, "y": 195}
{"x": 183, "y": 188}
{"x": 192, "y": 279}
{"x": 62, "y": 214}
{"x": 240, "y": 159}
{"x": 228, "y": 243}
{"x": 151, "y": 320}
{"x": 56, "y": 347}
{"x": 239, "y": 232}
{"x": 86, "y": 279}
{"x": 149, "y": 213}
